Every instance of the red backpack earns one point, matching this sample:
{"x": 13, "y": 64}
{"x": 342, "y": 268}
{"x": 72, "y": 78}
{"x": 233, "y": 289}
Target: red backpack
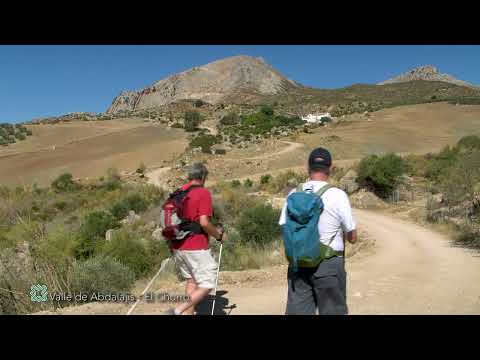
{"x": 175, "y": 226}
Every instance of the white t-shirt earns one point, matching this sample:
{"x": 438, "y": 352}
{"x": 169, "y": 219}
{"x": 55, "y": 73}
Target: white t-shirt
{"x": 336, "y": 217}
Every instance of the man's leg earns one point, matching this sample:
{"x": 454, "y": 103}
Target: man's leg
{"x": 190, "y": 287}
{"x": 197, "y": 295}
{"x": 204, "y": 275}
{"x": 330, "y": 287}
{"x": 300, "y": 300}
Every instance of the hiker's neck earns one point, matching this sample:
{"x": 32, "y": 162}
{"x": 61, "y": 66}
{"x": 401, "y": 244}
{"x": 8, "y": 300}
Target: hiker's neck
{"x": 318, "y": 176}
{"x": 197, "y": 182}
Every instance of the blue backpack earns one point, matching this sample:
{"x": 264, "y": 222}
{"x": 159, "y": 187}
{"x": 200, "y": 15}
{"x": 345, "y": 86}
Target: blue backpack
{"x": 300, "y": 232}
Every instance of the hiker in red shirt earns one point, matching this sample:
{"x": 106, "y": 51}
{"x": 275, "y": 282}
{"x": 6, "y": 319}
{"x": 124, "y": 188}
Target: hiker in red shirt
{"x": 192, "y": 255}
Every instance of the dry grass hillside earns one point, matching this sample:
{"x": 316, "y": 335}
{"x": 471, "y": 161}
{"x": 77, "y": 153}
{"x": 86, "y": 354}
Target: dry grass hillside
{"x": 407, "y": 129}
{"x": 87, "y": 149}
{"x": 414, "y": 128}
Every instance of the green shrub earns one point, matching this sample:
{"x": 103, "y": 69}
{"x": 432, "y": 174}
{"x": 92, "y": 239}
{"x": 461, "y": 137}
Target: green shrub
{"x": 60, "y": 205}
{"x": 9, "y": 128}
{"x": 259, "y": 225}
{"x": 239, "y": 256}
{"x": 205, "y": 142}
{"x": 468, "y": 236}
{"x": 230, "y": 119}
{"x": 416, "y": 164}
{"x": 64, "y": 183}
{"x": 177, "y": 125}
{"x": 381, "y": 173}
{"x": 120, "y": 210}
{"x": 20, "y": 136}
{"x": 471, "y": 142}
{"x": 440, "y": 163}
{"x": 262, "y": 124}
{"x": 267, "y": 110}
{"x": 265, "y": 179}
{"x": 220, "y": 151}
{"x": 235, "y": 183}
{"x": 101, "y": 275}
{"x": 248, "y": 183}
{"x": 455, "y": 171}
{"x": 284, "y": 181}
{"x": 232, "y": 201}
{"x": 192, "y": 120}
{"x": 130, "y": 250}
{"x": 133, "y": 202}
{"x": 112, "y": 181}
{"x": 458, "y": 181}
{"x": 57, "y": 249}
{"x": 92, "y": 231}
{"x": 152, "y": 195}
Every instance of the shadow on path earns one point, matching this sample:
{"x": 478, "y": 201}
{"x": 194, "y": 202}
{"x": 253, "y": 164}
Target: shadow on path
{"x": 222, "y": 306}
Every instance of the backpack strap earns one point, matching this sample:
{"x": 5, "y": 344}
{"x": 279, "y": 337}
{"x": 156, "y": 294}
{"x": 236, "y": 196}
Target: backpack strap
{"x": 299, "y": 188}
{"x": 323, "y": 189}
{"x": 186, "y": 191}
{"x": 319, "y": 193}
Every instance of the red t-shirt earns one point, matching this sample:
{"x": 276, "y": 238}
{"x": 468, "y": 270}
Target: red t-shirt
{"x": 198, "y": 202}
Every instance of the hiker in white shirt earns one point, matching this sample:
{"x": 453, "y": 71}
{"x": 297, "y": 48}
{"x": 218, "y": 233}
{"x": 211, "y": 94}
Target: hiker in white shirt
{"x": 322, "y": 289}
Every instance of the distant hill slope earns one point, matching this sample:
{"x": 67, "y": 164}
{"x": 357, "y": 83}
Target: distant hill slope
{"x": 210, "y": 83}
{"x": 427, "y": 73}
{"x": 359, "y": 98}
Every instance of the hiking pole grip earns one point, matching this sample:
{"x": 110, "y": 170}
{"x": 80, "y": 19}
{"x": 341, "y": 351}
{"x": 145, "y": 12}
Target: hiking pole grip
{"x": 218, "y": 273}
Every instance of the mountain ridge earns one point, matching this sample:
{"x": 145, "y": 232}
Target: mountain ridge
{"x": 426, "y": 73}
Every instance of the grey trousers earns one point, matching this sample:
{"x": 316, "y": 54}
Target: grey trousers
{"x": 322, "y": 289}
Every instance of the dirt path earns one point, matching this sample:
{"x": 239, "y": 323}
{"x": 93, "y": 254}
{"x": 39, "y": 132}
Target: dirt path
{"x": 291, "y": 146}
{"x": 412, "y": 271}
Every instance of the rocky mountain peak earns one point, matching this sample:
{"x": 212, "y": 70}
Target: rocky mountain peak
{"x": 211, "y": 83}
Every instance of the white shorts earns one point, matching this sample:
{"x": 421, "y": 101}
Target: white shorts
{"x": 198, "y": 265}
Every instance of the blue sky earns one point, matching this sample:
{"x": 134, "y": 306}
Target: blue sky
{"x": 37, "y": 81}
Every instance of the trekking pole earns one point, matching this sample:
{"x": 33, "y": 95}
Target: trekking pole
{"x": 164, "y": 263}
{"x": 218, "y": 273}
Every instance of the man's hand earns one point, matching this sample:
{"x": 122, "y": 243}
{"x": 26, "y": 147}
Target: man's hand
{"x": 209, "y": 228}
{"x": 351, "y": 236}
{"x": 221, "y": 231}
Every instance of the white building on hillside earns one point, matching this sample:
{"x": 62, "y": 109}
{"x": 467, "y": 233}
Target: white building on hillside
{"x": 316, "y": 118}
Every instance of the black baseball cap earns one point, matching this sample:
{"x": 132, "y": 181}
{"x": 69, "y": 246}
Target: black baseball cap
{"x": 319, "y": 158}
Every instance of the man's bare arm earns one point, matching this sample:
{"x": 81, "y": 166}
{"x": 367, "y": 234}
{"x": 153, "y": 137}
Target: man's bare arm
{"x": 351, "y": 236}
{"x": 209, "y": 228}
